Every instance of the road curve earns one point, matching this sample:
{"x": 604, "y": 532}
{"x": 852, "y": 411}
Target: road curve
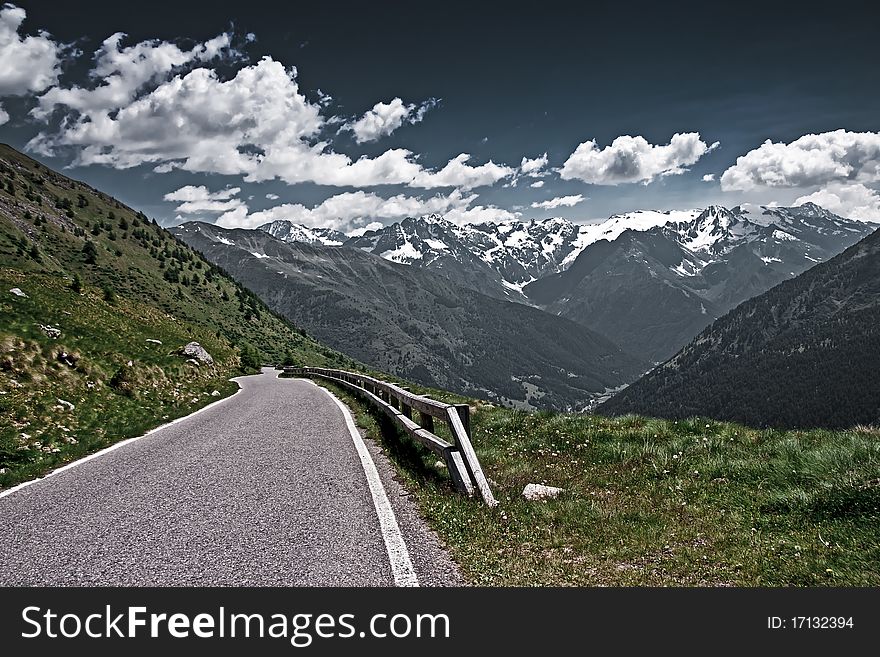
{"x": 263, "y": 489}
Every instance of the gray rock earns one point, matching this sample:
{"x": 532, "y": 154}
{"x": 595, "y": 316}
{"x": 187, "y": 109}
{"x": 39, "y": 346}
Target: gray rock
{"x": 66, "y": 405}
{"x": 215, "y": 393}
{"x": 197, "y": 351}
{"x": 17, "y": 292}
{"x": 154, "y": 341}
{"x": 51, "y": 331}
{"x": 536, "y": 492}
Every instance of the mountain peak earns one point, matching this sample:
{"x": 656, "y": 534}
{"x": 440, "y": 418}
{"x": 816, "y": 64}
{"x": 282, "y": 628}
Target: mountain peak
{"x": 288, "y": 231}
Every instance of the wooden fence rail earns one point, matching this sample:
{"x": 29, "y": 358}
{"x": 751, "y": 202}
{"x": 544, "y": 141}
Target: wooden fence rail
{"x": 401, "y": 405}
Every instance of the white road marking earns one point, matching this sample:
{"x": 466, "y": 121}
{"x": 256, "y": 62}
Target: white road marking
{"x": 115, "y": 446}
{"x": 398, "y": 555}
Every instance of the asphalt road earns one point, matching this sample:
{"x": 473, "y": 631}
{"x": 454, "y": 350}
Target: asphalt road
{"x": 265, "y": 488}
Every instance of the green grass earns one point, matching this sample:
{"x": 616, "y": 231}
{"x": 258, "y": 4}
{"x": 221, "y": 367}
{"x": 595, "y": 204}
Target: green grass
{"x": 653, "y": 502}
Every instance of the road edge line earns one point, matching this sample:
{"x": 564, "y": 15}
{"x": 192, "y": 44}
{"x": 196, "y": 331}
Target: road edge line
{"x": 398, "y": 554}
{"x": 115, "y": 446}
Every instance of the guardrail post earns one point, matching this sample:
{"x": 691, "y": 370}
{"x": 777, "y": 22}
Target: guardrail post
{"x": 427, "y": 421}
{"x": 464, "y": 412}
{"x": 406, "y": 410}
{"x": 471, "y": 462}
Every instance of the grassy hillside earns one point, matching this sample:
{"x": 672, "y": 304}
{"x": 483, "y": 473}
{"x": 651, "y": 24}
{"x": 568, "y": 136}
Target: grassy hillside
{"x": 655, "y": 502}
{"x": 124, "y": 296}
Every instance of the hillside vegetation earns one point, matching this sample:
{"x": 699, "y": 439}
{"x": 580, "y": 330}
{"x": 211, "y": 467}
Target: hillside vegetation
{"x": 651, "y": 502}
{"x": 90, "y": 347}
{"x": 806, "y": 353}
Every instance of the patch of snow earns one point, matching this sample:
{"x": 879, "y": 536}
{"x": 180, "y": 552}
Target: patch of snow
{"x": 782, "y": 236}
{"x": 405, "y": 253}
{"x": 518, "y": 287}
{"x": 258, "y": 255}
{"x": 681, "y": 270}
{"x": 226, "y": 241}
{"x": 767, "y": 261}
{"x": 437, "y": 245}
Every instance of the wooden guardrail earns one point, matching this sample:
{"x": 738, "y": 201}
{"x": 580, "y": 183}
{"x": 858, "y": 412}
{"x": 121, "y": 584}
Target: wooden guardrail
{"x": 400, "y": 405}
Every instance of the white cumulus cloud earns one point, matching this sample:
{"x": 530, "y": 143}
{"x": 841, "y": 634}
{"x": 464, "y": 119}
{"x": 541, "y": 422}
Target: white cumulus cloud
{"x": 854, "y": 201}
{"x": 709, "y": 177}
{"x": 814, "y": 159}
{"x": 537, "y": 184}
{"x": 385, "y": 118}
{"x": 198, "y": 200}
{"x": 122, "y": 72}
{"x": 633, "y": 159}
{"x": 458, "y": 173}
{"x": 272, "y": 197}
{"x": 28, "y": 64}
{"x": 533, "y": 167}
{"x": 257, "y": 124}
{"x": 355, "y": 210}
{"x": 559, "y": 202}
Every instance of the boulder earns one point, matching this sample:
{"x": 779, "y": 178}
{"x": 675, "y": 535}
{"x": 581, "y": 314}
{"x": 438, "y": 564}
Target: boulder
{"x": 535, "y": 492}
{"x": 68, "y": 359}
{"x": 197, "y": 351}
{"x": 17, "y": 292}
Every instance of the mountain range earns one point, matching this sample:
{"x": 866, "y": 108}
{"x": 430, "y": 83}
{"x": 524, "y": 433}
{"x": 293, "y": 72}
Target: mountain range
{"x": 418, "y": 324}
{"x": 804, "y": 354}
{"x": 647, "y": 280}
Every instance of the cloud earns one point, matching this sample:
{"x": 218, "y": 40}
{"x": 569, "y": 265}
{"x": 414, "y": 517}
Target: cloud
{"x": 4, "y": 117}
{"x": 633, "y": 159}
{"x": 195, "y": 122}
{"x": 854, "y": 201}
{"x": 28, "y": 64}
{"x": 256, "y": 124}
{"x": 814, "y": 159}
{"x": 198, "y": 200}
{"x": 559, "y": 202}
{"x": 457, "y": 173}
{"x": 385, "y": 118}
{"x": 272, "y": 197}
{"x": 709, "y": 177}
{"x": 533, "y": 167}
{"x": 122, "y": 72}
{"x": 352, "y": 210}
{"x": 537, "y": 184}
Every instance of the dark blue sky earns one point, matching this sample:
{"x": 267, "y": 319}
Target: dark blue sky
{"x": 513, "y": 82}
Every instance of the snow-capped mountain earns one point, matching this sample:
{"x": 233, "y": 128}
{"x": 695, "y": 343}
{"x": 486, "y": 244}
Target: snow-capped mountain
{"x": 803, "y": 354}
{"x": 651, "y": 291}
{"x": 287, "y": 231}
{"x": 519, "y": 252}
{"x": 648, "y": 280}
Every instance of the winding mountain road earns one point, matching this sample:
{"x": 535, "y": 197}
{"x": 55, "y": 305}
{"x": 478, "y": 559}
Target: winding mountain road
{"x": 270, "y": 487}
